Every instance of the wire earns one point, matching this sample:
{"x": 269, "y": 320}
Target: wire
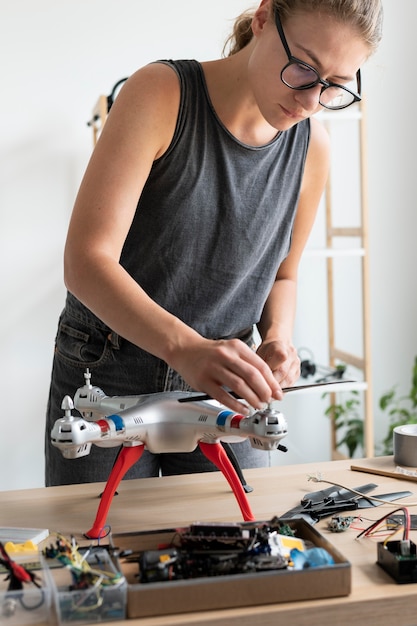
{"x": 106, "y": 530}
{"x": 318, "y": 479}
{"x": 68, "y": 554}
{"x": 406, "y": 528}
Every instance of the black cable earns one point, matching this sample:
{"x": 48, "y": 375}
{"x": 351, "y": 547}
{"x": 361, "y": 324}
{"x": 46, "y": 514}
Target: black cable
{"x": 112, "y": 96}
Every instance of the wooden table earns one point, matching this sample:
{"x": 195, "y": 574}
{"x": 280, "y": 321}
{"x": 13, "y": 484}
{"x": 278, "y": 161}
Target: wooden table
{"x": 180, "y": 500}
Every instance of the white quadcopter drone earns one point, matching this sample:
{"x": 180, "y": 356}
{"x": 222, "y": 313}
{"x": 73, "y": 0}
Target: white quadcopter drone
{"x": 173, "y": 421}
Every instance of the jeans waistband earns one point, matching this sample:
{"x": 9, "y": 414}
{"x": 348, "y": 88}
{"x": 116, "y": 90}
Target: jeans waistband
{"x": 244, "y": 335}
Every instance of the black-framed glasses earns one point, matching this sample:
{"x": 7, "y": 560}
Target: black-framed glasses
{"x": 299, "y": 75}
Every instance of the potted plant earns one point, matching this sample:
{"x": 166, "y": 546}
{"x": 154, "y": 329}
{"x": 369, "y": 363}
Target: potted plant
{"x": 348, "y": 423}
{"x": 346, "y": 414}
{"x": 401, "y": 409}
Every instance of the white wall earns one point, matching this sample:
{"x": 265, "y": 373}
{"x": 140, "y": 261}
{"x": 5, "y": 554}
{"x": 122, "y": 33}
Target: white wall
{"x": 392, "y": 139}
{"x": 57, "y": 58}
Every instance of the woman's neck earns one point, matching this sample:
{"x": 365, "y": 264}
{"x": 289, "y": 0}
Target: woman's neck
{"x": 232, "y": 98}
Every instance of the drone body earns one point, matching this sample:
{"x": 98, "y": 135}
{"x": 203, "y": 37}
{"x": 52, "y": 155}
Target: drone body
{"x": 163, "y": 422}
{"x": 170, "y": 421}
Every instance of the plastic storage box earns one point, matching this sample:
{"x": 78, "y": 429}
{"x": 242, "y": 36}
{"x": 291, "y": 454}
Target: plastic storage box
{"x": 32, "y": 604}
{"x": 100, "y": 601}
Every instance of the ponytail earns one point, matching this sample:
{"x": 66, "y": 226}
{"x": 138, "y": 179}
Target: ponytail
{"x": 241, "y": 34}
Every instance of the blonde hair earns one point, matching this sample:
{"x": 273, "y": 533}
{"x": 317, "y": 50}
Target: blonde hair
{"x": 365, "y": 16}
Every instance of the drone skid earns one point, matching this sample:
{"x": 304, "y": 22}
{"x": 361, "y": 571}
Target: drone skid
{"x": 162, "y": 422}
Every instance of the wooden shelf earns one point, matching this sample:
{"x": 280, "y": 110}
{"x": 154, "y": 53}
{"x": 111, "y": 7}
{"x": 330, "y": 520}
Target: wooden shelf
{"x": 334, "y": 252}
{"x": 330, "y": 252}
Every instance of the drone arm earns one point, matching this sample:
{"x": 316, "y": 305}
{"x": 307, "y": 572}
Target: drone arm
{"x": 127, "y": 457}
{"x": 215, "y": 453}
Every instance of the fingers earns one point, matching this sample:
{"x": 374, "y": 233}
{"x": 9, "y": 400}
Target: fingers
{"x": 224, "y": 397}
{"x": 216, "y": 366}
{"x": 245, "y": 373}
{"x": 283, "y": 361}
{"x": 288, "y": 372}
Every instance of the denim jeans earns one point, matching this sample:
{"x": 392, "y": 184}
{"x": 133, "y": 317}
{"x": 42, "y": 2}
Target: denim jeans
{"x": 119, "y": 368}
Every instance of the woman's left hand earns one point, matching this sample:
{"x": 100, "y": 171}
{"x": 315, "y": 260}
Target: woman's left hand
{"x": 283, "y": 360}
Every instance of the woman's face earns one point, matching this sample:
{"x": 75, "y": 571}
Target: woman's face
{"x": 333, "y": 48}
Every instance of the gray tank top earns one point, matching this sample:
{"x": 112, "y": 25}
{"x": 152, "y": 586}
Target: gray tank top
{"x": 215, "y": 218}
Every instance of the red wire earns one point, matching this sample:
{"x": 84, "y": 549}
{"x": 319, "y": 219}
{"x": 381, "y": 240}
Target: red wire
{"x": 407, "y": 523}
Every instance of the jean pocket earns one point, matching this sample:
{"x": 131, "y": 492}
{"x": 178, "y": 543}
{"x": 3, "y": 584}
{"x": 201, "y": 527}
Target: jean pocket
{"x": 81, "y": 345}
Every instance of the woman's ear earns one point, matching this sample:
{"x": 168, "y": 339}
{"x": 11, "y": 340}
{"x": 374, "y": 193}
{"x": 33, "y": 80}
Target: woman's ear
{"x": 261, "y": 16}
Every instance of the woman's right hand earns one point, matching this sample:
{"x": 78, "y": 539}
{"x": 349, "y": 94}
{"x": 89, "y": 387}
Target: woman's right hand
{"x": 217, "y": 367}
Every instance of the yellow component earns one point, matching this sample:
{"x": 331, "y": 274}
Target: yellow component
{"x": 164, "y": 558}
{"x": 284, "y": 544}
{"x": 28, "y": 546}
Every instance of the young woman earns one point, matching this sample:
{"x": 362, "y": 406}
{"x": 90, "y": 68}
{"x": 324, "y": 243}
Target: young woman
{"x": 190, "y": 221}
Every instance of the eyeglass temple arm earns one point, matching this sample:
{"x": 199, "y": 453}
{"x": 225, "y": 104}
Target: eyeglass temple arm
{"x": 359, "y": 82}
{"x": 281, "y": 34}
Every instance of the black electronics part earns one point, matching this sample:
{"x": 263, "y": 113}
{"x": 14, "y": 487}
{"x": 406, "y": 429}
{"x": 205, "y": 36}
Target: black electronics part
{"x": 399, "y": 519}
{"x": 207, "y": 530}
{"x": 214, "y": 549}
{"x": 168, "y": 564}
{"x": 399, "y": 560}
{"x": 307, "y": 368}
{"x": 335, "y": 500}
{"x": 158, "y": 565}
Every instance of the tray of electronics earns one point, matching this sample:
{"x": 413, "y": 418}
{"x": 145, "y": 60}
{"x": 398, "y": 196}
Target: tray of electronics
{"x": 174, "y": 570}
{"x": 215, "y": 566}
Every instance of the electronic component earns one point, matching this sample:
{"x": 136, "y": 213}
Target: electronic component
{"x": 216, "y": 536}
{"x": 159, "y": 565}
{"x": 282, "y": 544}
{"x": 206, "y": 550}
{"x": 339, "y": 523}
{"x": 88, "y": 582}
{"x": 399, "y": 560}
{"x": 397, "y": 519}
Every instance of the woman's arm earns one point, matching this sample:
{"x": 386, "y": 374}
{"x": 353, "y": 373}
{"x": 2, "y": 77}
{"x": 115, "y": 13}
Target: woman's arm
{"x": 276, "y": 324}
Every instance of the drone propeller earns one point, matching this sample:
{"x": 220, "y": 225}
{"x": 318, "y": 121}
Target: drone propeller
{"x": 329, "y": 383}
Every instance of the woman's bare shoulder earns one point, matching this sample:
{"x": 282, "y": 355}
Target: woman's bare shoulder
{"x": 156, "y": 82}
{"x": 147, "y": 105}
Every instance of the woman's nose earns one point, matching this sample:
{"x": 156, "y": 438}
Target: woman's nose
{"x": 309, "y": 98}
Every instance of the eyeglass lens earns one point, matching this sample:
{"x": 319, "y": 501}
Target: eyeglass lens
{"x": 298, "y": 75}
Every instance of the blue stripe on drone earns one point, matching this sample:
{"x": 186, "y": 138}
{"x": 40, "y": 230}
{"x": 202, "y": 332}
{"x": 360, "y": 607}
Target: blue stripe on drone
{"x": 118, "y": 422}
{"x": 222, "y": 417}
